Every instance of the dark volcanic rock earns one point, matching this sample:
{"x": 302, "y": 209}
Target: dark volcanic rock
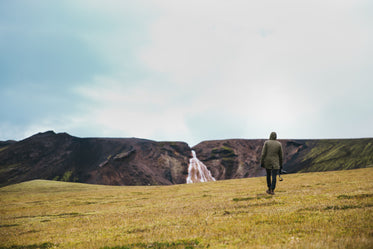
{"x": 4, "y": 144}
{"x": 239, "y": 158}
{"x": 233, "y": 158}
{"x": 114, "y": 161}
{"x": 133, "y": 161}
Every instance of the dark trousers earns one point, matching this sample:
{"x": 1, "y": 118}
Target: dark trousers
{"x": 271, "y": 183}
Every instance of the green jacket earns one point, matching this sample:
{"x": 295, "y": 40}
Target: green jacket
{"x": 272, "y": 153}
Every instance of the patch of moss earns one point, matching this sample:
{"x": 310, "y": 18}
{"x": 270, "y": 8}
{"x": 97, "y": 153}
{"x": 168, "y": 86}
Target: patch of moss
{"x": 343, "y": 207}
{"x": 359, "y": 196}
{"x": 9, "y": 225}
{"x": 66, "y": 177}
{"x": 69, "y": 177}
{"x": 160, "y": 245}
{"x": 223, "y": 151}
{"x": 4, "y": 148}
{"x": 7, "y": 168}
{"x": 253, "y": 198}
{"x": 34, "y": 246}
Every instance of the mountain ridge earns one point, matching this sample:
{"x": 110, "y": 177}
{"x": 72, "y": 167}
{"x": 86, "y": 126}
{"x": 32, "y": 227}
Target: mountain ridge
{"x": 137, "y": 161}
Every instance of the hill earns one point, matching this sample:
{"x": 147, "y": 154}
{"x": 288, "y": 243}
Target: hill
{"x": 114, "y": 161}
{"x": 314, "y": 210}
{"x": 134, "y": 161}
{"x": 239, "y": 158}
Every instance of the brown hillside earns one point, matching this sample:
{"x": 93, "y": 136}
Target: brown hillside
{"x": 134, "y": 161}
{"x": 114, "y": 161}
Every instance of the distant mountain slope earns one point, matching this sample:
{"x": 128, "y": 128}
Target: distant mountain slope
{"x": 133, "y": 161}
{"x": 232, "y": 158}
{"x": 122, "y": 161}
{"x": 332, "y": 154}
{"x": 239, "y": 158}
{"x": 5, "y": 144}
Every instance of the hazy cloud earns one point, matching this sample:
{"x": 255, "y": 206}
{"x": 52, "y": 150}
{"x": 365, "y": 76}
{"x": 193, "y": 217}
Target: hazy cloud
{"x": 187, "y": 70}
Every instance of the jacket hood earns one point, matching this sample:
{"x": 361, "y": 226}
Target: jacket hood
{"x": 273, "y": 136}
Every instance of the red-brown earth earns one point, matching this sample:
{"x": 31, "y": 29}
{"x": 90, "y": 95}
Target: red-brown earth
{"x": 134, "y": 161}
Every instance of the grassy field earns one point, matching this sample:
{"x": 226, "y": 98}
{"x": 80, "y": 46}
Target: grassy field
{"x": 312, "y": 210}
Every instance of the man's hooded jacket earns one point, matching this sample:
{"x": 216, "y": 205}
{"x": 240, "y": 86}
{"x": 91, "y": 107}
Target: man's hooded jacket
{"x": 272, "y": 153}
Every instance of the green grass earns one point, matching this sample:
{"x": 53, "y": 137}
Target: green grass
{"x": 313, "y": 210}
{"x": 36, "y": 246}
{"x": 338, "y": 154}
{"x": 4, "y": 148}
{"x": 223, "y": 151}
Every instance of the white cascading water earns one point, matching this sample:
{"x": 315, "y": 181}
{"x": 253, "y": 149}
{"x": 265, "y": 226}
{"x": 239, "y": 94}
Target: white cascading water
{"x": 197, "y": 171}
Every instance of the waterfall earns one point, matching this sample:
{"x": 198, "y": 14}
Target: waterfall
{"x": 197, "y": 171}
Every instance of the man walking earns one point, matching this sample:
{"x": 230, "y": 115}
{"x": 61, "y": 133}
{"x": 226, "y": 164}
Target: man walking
{"x": 271, "y": 160}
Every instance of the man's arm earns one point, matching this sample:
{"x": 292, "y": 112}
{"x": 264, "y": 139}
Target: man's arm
{"x": 264, "y": 152}
{"x": 280, "y": 156}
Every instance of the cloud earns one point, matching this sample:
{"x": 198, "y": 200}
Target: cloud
{"x": 133, "y": 111}
{"x": 190, "y": 70}
{"x": 266, "y": 62}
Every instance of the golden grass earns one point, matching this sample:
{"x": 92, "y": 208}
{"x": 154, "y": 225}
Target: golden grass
{"x": 313, "y": 210}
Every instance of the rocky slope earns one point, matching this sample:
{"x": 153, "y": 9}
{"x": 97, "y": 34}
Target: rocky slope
{"x": 238, "y": 158}
{"x": 133, "y": 161}
{"x": 122, "y": 161}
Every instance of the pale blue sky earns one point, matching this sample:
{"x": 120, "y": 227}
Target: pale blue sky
{"x": 186, "y": 70}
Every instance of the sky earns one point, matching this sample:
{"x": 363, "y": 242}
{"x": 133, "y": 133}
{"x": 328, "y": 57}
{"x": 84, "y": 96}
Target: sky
{"x": 187, "y": 71}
